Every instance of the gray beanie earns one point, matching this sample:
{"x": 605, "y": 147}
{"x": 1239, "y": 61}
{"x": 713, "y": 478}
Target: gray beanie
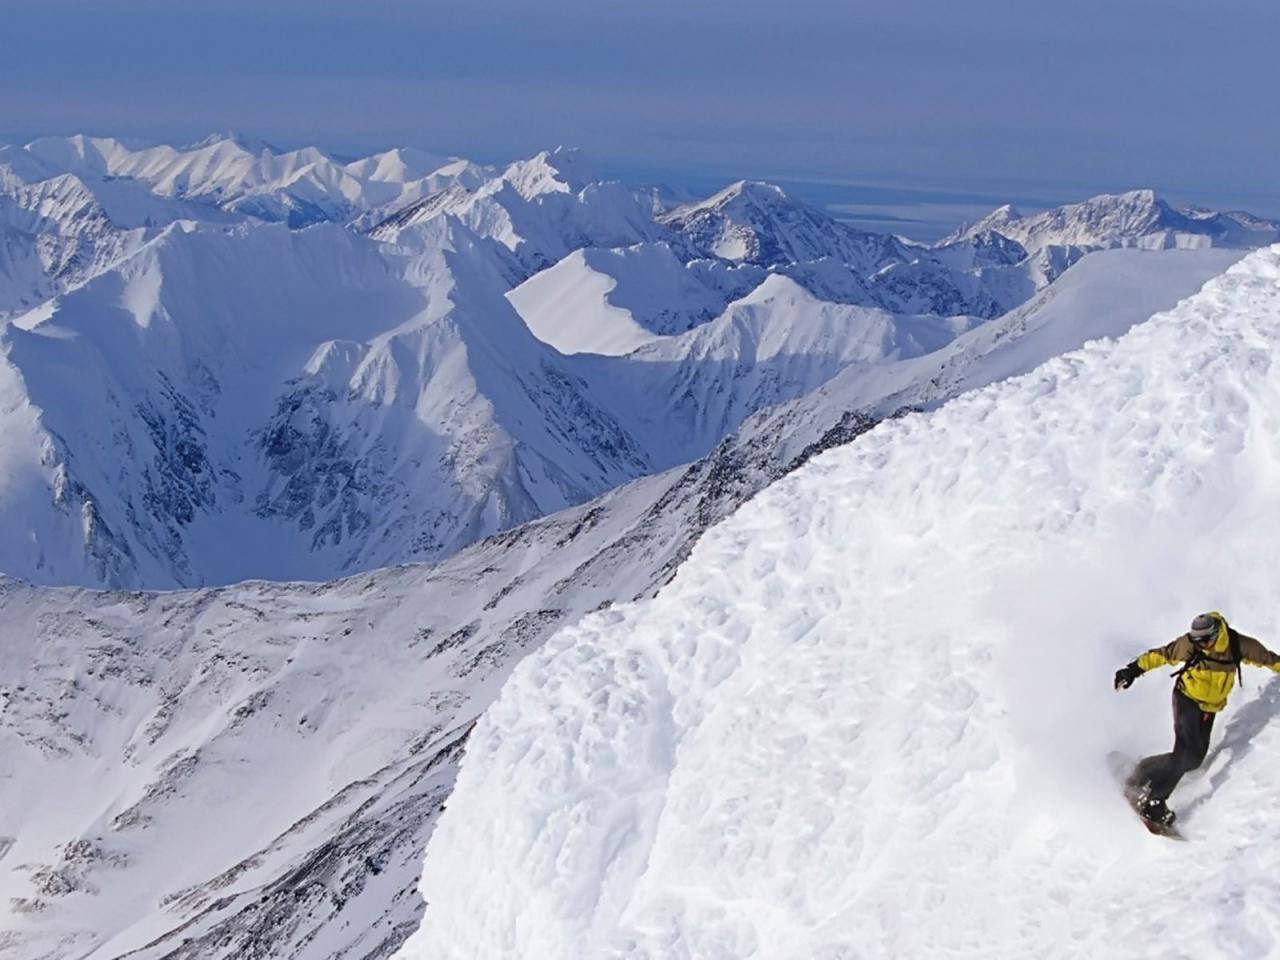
{"x": 1205, "y": 625}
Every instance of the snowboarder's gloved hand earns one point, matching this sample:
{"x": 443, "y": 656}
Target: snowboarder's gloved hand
{"x": 1127, "y": 674}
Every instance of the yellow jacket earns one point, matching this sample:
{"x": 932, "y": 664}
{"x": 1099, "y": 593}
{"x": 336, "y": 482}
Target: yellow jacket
{"x": 1211, "y": 671}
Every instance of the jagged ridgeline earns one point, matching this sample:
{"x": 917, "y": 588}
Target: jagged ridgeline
{"x": 227, "y": 361}
{"x": 358, "y": 363}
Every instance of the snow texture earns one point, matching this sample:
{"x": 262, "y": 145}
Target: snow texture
{"x": 871, "y": 714}
{"x": 142, "y": 693}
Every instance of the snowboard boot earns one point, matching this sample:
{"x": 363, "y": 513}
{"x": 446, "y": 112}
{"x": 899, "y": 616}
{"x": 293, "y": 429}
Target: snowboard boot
{"x": 1157, "y": 812}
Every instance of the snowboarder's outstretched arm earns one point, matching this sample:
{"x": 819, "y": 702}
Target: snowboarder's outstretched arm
{"x": 1252, "y": 651}
{"x": 1182, "y": 649}
{"x": 1176, "y": 651}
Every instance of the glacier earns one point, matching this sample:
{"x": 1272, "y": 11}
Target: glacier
{"x": 870, "y": 714}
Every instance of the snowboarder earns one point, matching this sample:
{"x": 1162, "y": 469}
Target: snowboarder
{"x": 1211, "y": 653}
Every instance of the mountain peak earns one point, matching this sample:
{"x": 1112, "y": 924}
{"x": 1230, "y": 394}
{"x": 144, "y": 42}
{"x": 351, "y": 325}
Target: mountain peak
{"x": 234, "y": 138}
{"x": 1143, "y": 195}
{"x": 743, "y": 190}
{"x": 562, "y": 170}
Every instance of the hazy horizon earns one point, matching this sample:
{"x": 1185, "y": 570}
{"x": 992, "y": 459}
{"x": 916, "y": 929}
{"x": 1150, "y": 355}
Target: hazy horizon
{"x": 910, "y": 113}
{"x": 922, "y": 210}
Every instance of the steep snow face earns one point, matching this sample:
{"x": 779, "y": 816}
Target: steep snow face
{"x": 57, "y": 233}
{"x": 773, "y": 345}
{"x": 614, "y": 301}
{"x": 1134, "y": 219}
{"x": 1103, "y": 295}
{"x": 872, "y": 712}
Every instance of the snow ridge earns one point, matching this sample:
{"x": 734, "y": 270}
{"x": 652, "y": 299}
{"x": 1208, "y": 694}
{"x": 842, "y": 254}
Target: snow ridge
{"x": 839, "y": 729}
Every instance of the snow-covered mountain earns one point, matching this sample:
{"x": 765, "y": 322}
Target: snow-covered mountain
{"x": 840, "y": 730}
{"x": 344, "y": 404}
{"x": 758, "y": 223}
{"x": 292, "y": 390}
{"x": 70, "y": 207}
{"x": 321, "y": 724}
{"x": 1135, "y": 219}
{"x": 181, "y": 378}
{"x": 541, "y": 209}
{"x": 57, "y": 233}
{"x": 225, "y": 172}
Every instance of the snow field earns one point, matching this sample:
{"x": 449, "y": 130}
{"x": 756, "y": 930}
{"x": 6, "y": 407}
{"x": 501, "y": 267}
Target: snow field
{"x": 870, "y": 716}
{"x": 614, "y": 301}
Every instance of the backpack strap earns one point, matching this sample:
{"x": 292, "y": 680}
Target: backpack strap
{"x": 1233, "y": 645}
{"x": 1199, "y": 656}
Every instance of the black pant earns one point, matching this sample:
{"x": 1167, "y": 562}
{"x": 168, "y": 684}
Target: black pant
{"x": 1191, "y": 728}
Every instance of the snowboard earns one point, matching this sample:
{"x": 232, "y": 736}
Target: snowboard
{"x": 1122, "y": 768}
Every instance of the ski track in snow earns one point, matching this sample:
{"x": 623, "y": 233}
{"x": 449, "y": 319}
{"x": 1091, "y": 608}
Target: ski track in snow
{"x": 870, "y": 716}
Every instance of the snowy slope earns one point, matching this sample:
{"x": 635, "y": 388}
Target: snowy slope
{"x": 1102, "y": 295}
{"x": 611, "y": 301}
{"x": 614, "y": 301}
{"x": 327, "y": 695}
{"x": 777, "y": 343}
{"x": 780, "y": 343}
{"x": 870, "y": 715}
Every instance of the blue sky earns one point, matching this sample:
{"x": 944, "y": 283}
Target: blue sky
{"x": 914, "y": 103}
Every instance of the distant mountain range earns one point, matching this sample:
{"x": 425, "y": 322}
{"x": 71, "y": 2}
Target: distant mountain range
{"x": 356, "y": 363}
{"x": 1135, "y": 219}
